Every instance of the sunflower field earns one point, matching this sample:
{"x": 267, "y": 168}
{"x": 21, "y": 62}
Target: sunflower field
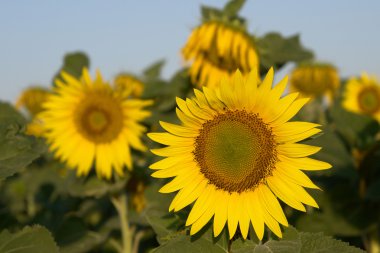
{"x": 218, "y": 158}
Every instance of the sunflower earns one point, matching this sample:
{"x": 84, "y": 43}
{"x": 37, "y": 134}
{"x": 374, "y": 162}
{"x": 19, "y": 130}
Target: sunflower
{"x": 315, "y": 80}
{"x": 35, "y": 128}
{"x": 235, "y": 154}
{"x": 363, "y": 96}
{"x": 86, "y": 121}
{"x": 129, "y": 84}
{"x": 32, "y": 99}
{"x": 216, "y": 51}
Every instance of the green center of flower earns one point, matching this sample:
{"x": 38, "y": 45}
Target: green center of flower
{"x": 369, "y": 100}
{"x": 235, "y": 151}
{"x": 99, "y": 118}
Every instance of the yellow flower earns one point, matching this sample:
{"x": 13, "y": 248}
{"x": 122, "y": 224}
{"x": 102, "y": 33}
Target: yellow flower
{"x": 35, "y": 128}
{"x": 363, "y": 96}
{"x": 136, "y": 188}
{"x": 235, "y": 153}
{"x": 216, "y": 51}
{"x": 86, "y": 121}
{"x": 32, "y": 99}
{"x": 314, "y": 80}
{"x": 128, "y": 84}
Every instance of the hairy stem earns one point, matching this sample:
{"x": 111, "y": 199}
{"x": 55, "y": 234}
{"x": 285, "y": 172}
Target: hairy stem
{"x": 120, "y": 203}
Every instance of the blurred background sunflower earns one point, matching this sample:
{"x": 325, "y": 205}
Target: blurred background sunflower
{"x": 87, "y": 121}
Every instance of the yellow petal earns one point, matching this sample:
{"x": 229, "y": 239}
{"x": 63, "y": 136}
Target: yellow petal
{"x": 200, "y": 205}
{"x": 213, "y": 99}
{"x": 179, "y": 130}
{"x": 271, "y": 204}
{"x": 284, "y": 193}
{"x": 206, "y": 216}
{"x": 294, "y": 175}
{"x": 255, "y": 213}
{"x": 301, "y": 194}
{"x": 188, "y": 121}
{"x": 243, "y": 217}
{"x": 233, "y": 213}
{"x": 190, "y": 194}
{"x": 304, "y": 163}
{"x": 291, "y": 111}
{"x": 180, "y": 181}
{"x": 173, "y": 151}
{"x": 170, "y": 161}
{"x": 169, "y": 139}
{"x": 193, "y": 107}
{"x": 221, "y": 212}
{"x": 296, "y": 149}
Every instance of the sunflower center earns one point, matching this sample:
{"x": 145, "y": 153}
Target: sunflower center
{"x": 99, "y": 118}
{"x": 235, "y": 151}
{"x": 369, "y": 100}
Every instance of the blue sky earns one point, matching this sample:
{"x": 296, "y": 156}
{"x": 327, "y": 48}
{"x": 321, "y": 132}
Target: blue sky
{"x": 125, "y": 35}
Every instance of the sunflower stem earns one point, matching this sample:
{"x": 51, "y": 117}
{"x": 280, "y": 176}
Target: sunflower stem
{"x": 373, "y": 242}
{"x": 121, "y": 205}
{"x": 136, "y": 243}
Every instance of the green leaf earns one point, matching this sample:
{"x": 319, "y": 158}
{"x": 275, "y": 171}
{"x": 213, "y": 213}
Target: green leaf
{"x": 17, "y": 150}
{"x": 93, "y": 186}
{"x": 74, "y": 237}
{"x": 243, "y": 246}
{"x": 154, "y": 71}
{"x": 307, "y": 243}
{"x": 210, "y": 13}
{"x": 334, "y": 152}
{"x": 29, "y": 240}
{"x": 232, "y": 8}
{"x": 373, "y": 191}
{"x": 358, "y": 130}
{"x": 164, "y": 93}
{"x": 193, "y": 244}
{"x": 332, "y": 218}
{"x": 164, "y": 224}
{"x": 73, "y": 64}
{"x": 275, "y": 50}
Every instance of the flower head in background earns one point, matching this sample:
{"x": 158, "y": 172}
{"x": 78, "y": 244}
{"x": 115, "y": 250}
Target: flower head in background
{"x": 216, "y": 50}
{"x": 129, "y": 85}
{"x": 362, "y": 96}
{"x": 31, "y": 99}
{"x": 315, "y": 80}
{"x": 87, "y": 123}
{"x": 235, "y": 153}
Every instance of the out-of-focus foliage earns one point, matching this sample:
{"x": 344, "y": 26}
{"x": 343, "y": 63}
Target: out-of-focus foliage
{"x": 275, "y": 50}
{"x": 29, "y": 240}
{"x": 73, "y": 64}
{"x": 17, "y": 150}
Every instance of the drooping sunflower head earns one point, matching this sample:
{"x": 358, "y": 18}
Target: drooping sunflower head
{"x": 235, "y": 153}
{"x": 87, "y": 122}
{"x": 216, "y": 50}
{"x": 362, "y": 95}
{"x": 31, "y": 99}
{"x": 315, "y": 80}
{"x": 129, "y": 85}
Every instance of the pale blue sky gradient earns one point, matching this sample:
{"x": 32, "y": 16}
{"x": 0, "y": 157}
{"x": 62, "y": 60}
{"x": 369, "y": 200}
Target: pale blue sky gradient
{"x": 125, "y": 35}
